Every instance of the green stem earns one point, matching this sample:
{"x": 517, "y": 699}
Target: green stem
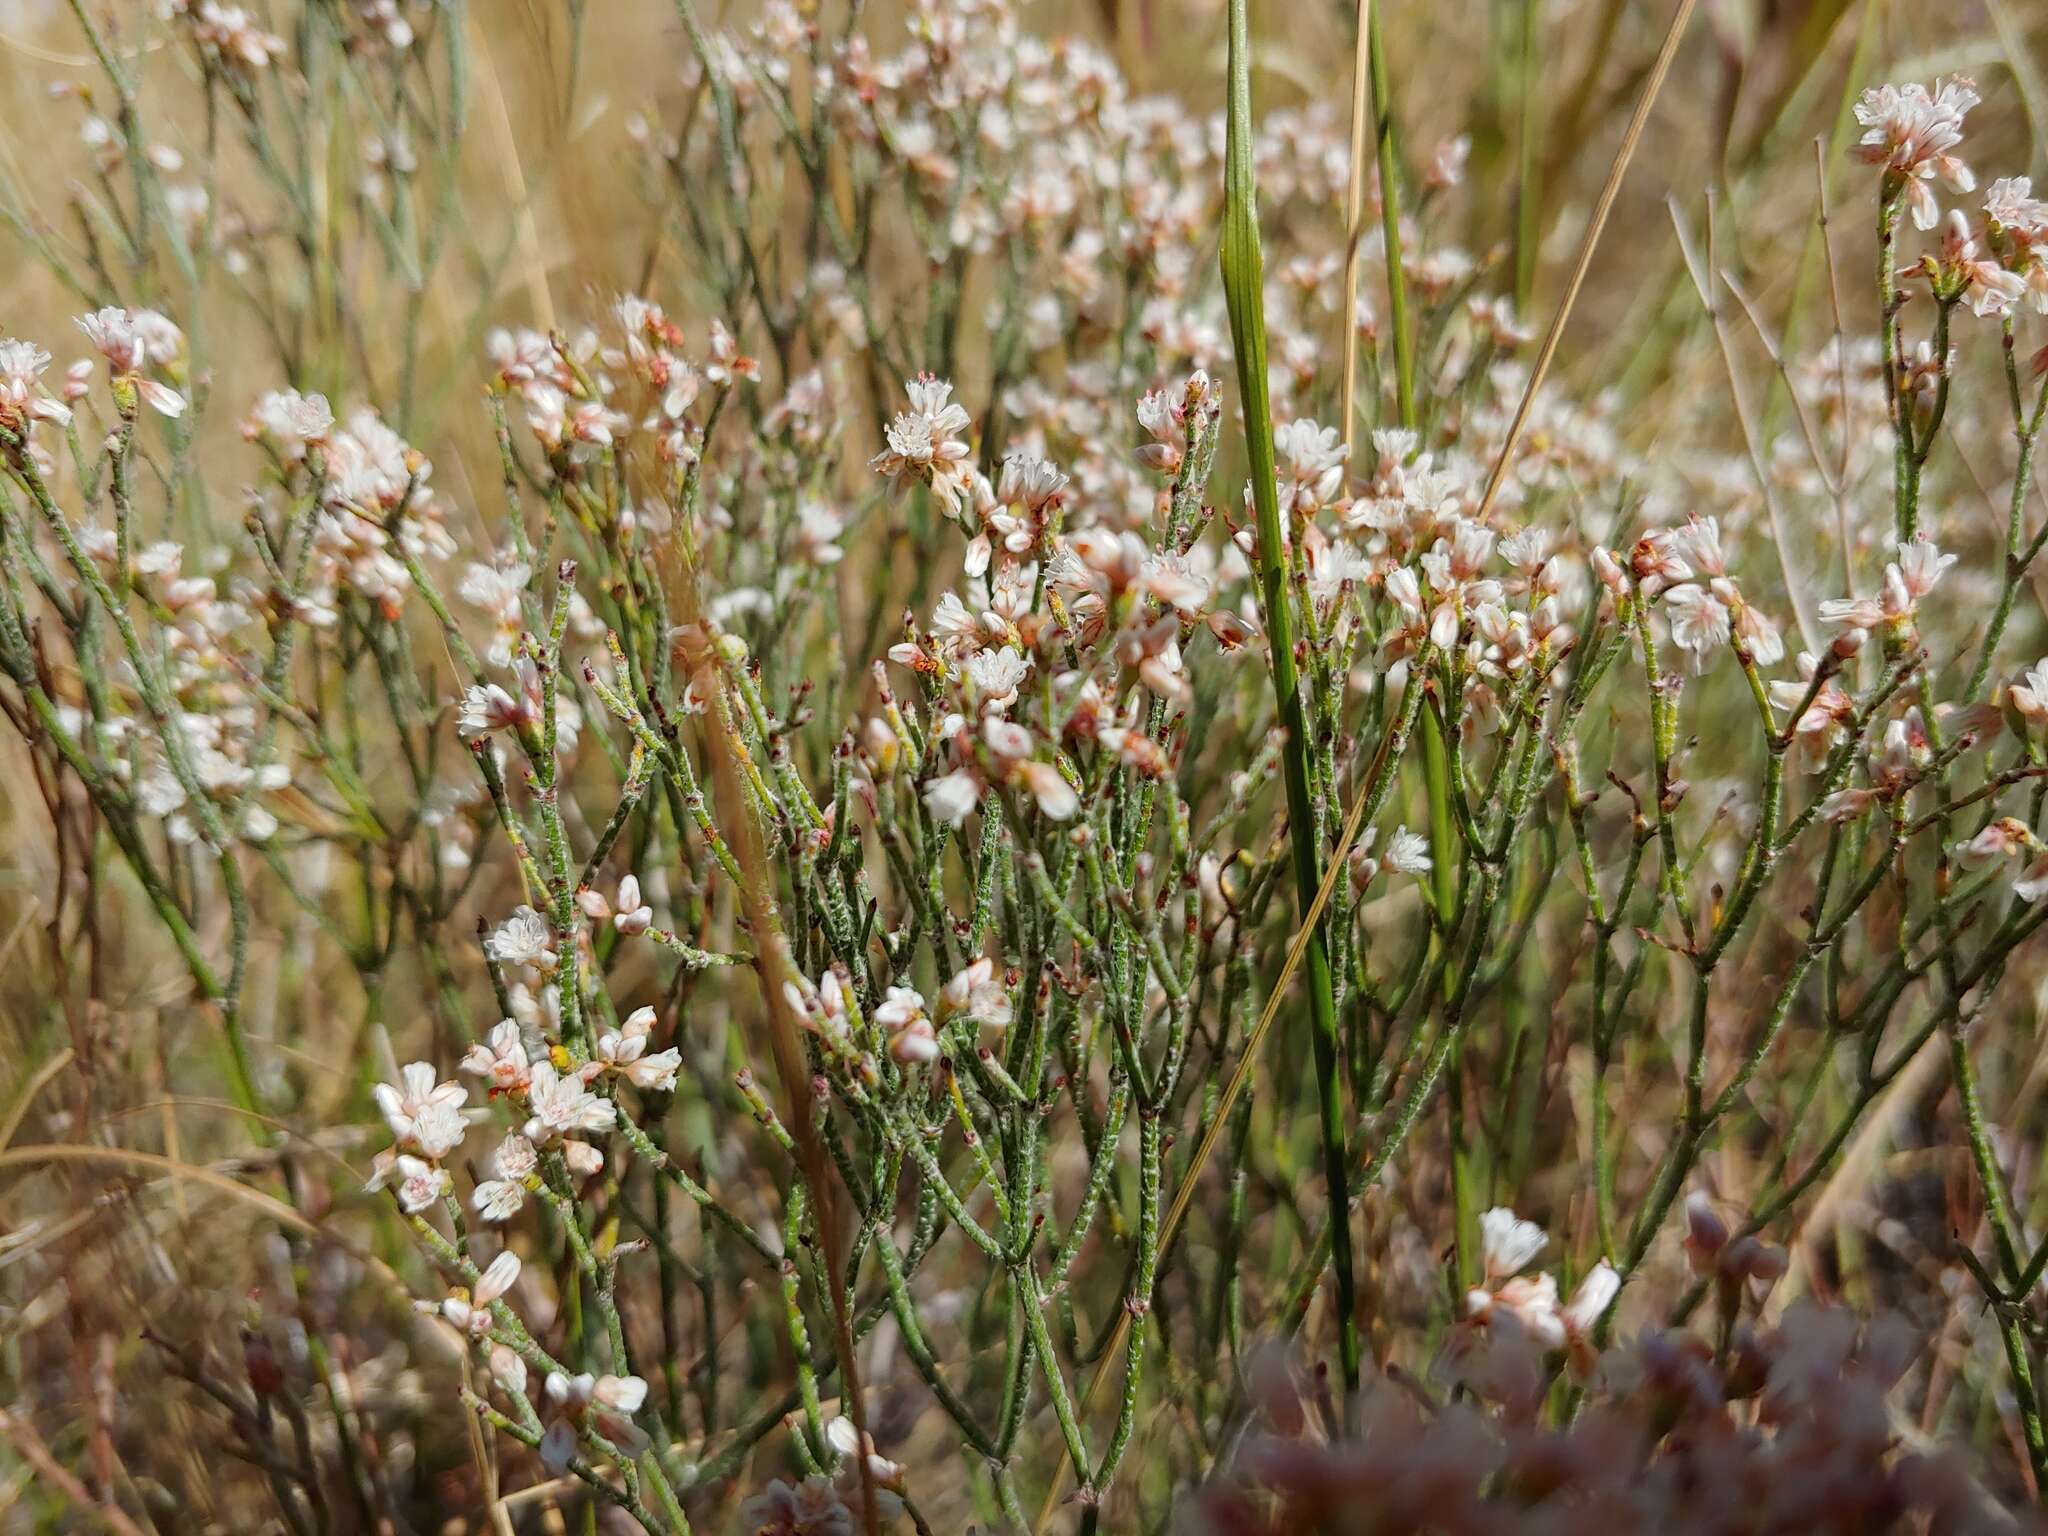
{"x": 1243, "y": 277}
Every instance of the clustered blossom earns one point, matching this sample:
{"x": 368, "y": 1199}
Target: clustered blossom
{"x": 1509, "y": 1311}
{"x": 23, "y": 400}
{"x": 1912, "y": 132}
{"x": 624, "y": 1051}
{"x": 1915, "y": 573}
{"x": 427, "y": 1124}
{"x": 132, "y": 340}
{"x": 1041, "y": 841}
{"x": 926, "y": 443}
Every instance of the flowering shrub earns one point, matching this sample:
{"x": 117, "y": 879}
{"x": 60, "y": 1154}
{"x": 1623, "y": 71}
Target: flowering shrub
{"x": 897, "y": 875}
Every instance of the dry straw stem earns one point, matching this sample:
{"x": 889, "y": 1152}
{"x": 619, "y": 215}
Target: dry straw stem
{"x": 1299, "y": 944}
{"x": 764, "y": 922}
{"x": 20, "y": 1434}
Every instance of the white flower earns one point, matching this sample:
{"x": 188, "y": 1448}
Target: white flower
{"x": 423, "y": 1113}
{"x": 1700, "y": 623}
{"x": 1591, "y": 1300}
{"x": 976, "y": 993}
{"x": 472, "y": 1313}
{"x": 1921, "y": 565}
{"x": 561, "y": 1105}
{"x": 1508, "y": 1244}
{"x": 524, "y": 938}
{"x": 1911, "y": 132}
{"x": 1408, "y": 852}
{"x": 289, "y": 422}
{"x": 2030, "y": 698}
{"x": 912, "y": 1039}
{"x": 926, "y": 443}
{"x": 421, "y": 1184}
{"x": 846, "y": 1439}
{"x": 951, "y": 798}
{"x": 500, "y": 1199}
{"x": 501, "y": 1060}
{"x": 626, "y": 1394}
{"x": 633, "y": 915}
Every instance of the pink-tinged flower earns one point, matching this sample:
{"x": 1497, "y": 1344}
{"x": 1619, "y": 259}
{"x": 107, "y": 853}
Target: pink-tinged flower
{"x": 232, "y": 37}
{"x": 1057, "y": 799}
{"x": 976, "y": 993}
{"x": 1310, "y": 466}
{"x": 624, "y": 1051}
{"x": 1905, "y": 748}
{"x": 418, "y": 1183}
{"x": 1912, "y": 133}
{"x": 501, "y": 1198}
{"x": 724, "y": 363}
{"x": 1846, "y": 805}
{"x": 1921, "y": 565}
{"x": 486, "y": 707}
{"x": 994, "y": 676}
{"x": 289, "y": 422}
{"x": 128, "y": 340}
{"x": 562, "y": 1106}
{"x": 508, "y": 1370}
{"x": 423, "y": 1113}
{"x": 1700, "y": 623}
{"x": 1608, "y": 570}
{"x": 912, "y": 1039}
{"x": 1659, "y": 561}
{"x": 23, "y": 401}
{"x": 1754, "y": 633}
{"x": 2030, "y": 697}
{"x": 926, "y": 443}
{"x": 1814, "y": 733}
{"x": 952, "y": 798}
{"x": 1529, "y": 1300}
{"x": 1853, "y": 613}
{"x": 471, "y": 1313}
{"x": 2000, "y": 840}
{"x": 2032, "y": 884}
{"x": 1159, "y": 415}
{"x": 501, "y": 1059}
{"x": 633, "y": 916}
{"x": 1706, "y": 1234}
{"x": 1985, "y": 284}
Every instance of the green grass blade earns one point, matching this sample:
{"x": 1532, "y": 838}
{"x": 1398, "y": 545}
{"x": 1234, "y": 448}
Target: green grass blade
{"x": 1243, "y": 284}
